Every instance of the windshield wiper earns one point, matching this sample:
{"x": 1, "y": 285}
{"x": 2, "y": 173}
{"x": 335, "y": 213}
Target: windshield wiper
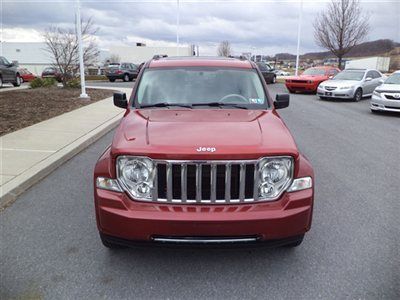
{"x": 220, "y": 104}
{"x": 165, "y": 104}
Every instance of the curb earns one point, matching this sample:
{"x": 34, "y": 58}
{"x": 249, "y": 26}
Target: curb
{"x": 11, "y": 190}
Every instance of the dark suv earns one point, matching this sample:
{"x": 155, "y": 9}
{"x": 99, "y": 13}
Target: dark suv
{"x": 124, "y": 71}
{"x": 9, "y": 73}
{"x": 267, "y": 71}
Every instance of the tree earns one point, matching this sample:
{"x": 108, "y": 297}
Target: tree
{"x": 341, "y": 27}
{"x": 113, "y": 58}
{"x": 62, "y": 44}
{"x": 224, "y": 49}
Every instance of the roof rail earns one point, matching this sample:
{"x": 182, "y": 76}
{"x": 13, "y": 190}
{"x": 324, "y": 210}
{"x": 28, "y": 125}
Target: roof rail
{"x": 158, "y": 56}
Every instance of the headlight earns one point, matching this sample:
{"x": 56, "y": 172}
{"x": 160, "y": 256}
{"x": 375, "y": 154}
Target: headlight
{"x": 377, "y": 94}
{"x": 276, "y": 174}
{"x": 321, "y": 86}
{"x": 136, "y": 174}
{"x": 345, "y": 87}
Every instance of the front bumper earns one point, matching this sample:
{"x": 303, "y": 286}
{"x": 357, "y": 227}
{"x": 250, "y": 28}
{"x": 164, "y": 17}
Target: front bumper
{"x": 337, "y": 93}
{"x": 301, "y": 87}
{"x": 382, "y": 104}
{"x": 120, "y": 217}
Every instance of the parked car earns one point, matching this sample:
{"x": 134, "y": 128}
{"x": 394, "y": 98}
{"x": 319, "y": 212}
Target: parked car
{"x": 351, "y": 84}
{"x": 26, "y": 75}
{"x": 309, "y": 80}
{"x": 201, "y": 156}
{"x": 281, "y": 73}
{"x": 386, "y": 97}
{"x": 52, "y": 72}
{"x": 9, "y": 73}
{"x": 267, "y": 71}
{"x": 124, "y": 71}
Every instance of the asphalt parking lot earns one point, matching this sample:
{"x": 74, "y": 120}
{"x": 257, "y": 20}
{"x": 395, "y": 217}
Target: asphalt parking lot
{"x": 50, "y": 247}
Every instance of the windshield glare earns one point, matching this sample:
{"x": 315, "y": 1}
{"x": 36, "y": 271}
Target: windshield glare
{"x": 314, "y": 71}
{"x": 200, "y": 85}
{"x": 349, "y": 75}
{"x": 393, "y": 79}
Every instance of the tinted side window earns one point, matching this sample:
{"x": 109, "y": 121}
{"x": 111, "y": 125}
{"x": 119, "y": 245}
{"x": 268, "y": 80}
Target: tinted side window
{"x": 262, "y": 67}
{"x": 369, "y": 74}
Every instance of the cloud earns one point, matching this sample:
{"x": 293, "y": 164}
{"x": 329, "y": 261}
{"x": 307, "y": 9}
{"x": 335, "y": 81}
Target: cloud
{"x": 251, "y": 26}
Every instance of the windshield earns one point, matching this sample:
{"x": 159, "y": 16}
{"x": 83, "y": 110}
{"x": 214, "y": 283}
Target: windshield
{"x": 350, "y": 75}
{"x": 200, "y": 85}
{"x": 393, "y": 79}
{"x": 314, "y": 71}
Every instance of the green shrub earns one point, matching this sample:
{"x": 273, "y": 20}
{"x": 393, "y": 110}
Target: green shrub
{"x": 36, "y": 83}
{"x": 47, "y": 82}
{"x": 74, "y": 83}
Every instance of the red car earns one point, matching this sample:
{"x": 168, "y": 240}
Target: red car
{"x": 26, "y": 75}
{"x": 201, "y": 156}
{"x": 309, "y": 80}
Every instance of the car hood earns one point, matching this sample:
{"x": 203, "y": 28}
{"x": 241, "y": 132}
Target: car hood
{"x": 341, "y": 83}
{"x": 308, "y": 77}
{"x": 389, "y": 88}
{"x": 178, "y": 134}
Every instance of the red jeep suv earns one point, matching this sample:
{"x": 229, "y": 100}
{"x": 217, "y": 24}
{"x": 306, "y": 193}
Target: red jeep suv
{"x": 201, "y": 156}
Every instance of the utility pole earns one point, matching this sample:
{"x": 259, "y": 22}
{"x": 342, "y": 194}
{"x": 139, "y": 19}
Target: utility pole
{"x": 177, "y": 28}
{"x": 298, "y": 37}
{"x": 80, "y": 46}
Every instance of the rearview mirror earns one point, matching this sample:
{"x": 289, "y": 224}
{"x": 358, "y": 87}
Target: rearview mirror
{"x": 120, "y": 100}
{"x": 281, "y": 101}
{"x": 368, "y": 79}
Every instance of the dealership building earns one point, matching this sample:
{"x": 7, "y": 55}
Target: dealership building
{"x": 34, "y": 56}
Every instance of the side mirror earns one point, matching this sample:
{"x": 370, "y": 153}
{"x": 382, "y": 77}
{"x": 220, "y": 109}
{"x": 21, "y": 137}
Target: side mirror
{"x": 120, "y": 100}
{"x": 281, "y": 101}
{"x": 368, "y": 79}
{"x": 381, "y": 81}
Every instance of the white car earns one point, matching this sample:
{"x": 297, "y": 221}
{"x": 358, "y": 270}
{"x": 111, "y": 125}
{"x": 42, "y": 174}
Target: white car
{"x": 281, "y": 73}
{"x": 386, "y": 97}
{"x": 351, "y": 84}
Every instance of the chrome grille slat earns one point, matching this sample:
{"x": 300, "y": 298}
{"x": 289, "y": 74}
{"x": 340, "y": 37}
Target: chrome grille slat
{"x": 154, "y": 195}
{"x": 206, "y": 182}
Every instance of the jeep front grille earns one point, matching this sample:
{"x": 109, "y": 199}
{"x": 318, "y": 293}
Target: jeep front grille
{"x": 211, "y": 182}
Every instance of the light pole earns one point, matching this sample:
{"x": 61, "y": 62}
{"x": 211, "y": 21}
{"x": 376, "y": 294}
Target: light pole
{"x": 80, "y": 50}
{"x": 298, "y": 37}
{"x": 177, "y": 28}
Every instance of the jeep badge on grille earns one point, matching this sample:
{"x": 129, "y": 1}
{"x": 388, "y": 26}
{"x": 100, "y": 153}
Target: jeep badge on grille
{"x": 206, "y": 149}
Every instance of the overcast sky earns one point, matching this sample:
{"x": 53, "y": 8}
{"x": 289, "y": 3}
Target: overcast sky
{"x": 258, "y": 26}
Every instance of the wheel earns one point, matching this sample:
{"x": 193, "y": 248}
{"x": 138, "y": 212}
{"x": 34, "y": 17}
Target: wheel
{"x": 126, "y": 78}
{"x": 1, "y": 82}
{"x": 295, "y": 243}
{"x": 22, "y": 80}
{"x": 110, "y": 245}
{"x": 273, "y": 79}
{"x": 18, "y": 81}
{"x": 112, "y": 80}
{"x": 357, "y": 95}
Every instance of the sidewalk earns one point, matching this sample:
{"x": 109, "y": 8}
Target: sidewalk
{"x": 29, "y": 154}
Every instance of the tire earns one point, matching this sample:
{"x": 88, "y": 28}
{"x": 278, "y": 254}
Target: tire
{"x": 357, "y": 95}
{"x": 273, "y": 80}
{"x": 126, "y": 78}
{"x": 22, "y": 80}
{"x": 18, "y": 81}
{"x": 112, "y": 80}
{"x": 110, "y": 245}
{"x": 295, "y": 243}
{"x": 1, "y": 82}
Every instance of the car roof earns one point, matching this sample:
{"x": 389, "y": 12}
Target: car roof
{"x": 200, "y": 61}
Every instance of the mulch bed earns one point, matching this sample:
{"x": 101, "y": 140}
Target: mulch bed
{"x": 22, "y": 108}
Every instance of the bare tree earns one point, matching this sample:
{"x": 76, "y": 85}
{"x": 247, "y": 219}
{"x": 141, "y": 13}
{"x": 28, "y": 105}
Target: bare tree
{"x": 113, "y": 58}
{"x": 224, "y": 49}
{"x": 62, "y": 44}
{"x": 341, "y": 27}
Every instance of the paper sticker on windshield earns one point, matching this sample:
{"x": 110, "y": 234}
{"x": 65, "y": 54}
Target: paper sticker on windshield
{"x": 256, "y": 100}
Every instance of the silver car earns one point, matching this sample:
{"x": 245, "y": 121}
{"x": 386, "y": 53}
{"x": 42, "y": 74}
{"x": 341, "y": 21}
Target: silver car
{"x": 351, "y": 84}
{"x": 386, "y": 97}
